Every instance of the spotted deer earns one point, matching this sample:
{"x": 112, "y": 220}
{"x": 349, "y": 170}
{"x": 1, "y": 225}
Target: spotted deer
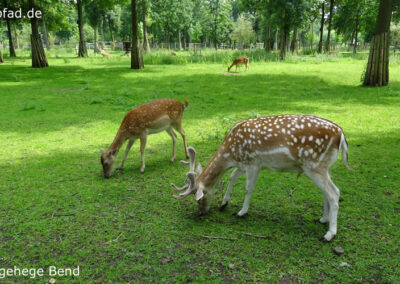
{"x": 287, "y": 143}
{"x": 238, "y": 61}
{"x": 153, "y": 117}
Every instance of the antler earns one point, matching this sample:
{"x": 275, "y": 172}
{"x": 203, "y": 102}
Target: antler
{"x": 180, "y": 188}
{"x": 190, "y": 181}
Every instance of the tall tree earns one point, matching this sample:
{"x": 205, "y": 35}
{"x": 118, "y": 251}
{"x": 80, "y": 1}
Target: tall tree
{"x": 356, "y": 29}
{"x": 111, "y": 28}
{"x": 328, "y": 38}
{"x": 93, "y": 14}
{"x": 377, "y": 73}
{"x": 82, "y": 52}
{"x": 146, "y": 43}
{"x": 39, "y": 59}
{"x": 321, "y": 29}
{"x": 45, "y": 33}
{"x": 10, "y": 37}
{"x": 1, "y": 57}
{"x": 136, "y": 54}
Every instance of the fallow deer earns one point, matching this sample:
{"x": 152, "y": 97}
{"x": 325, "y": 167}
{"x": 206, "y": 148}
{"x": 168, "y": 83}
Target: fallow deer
{"x": 153, "y": 117}
{"x": 105, "y": 54}
{"x": 238, "y": 61}
{"x": 296, "y": 143}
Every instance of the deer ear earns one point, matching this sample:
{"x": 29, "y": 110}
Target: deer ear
{"x": 199, "y": 194}
{"x": 102, "y": 150}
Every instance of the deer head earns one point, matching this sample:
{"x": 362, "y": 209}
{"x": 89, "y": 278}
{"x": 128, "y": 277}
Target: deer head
{"x": 107, "y": 159}
{"x": 194, "y": 184}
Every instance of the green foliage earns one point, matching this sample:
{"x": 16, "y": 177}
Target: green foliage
{"x": 243, "y": 32}
{"x": 344, "y": 20}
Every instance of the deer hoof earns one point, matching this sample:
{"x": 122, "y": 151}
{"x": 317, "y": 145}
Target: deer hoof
{"x": 327, "y": 238}
{"x": 241, "y": 216}
{"x": 319, "y": 221}
{"x": 222, "y": 207}
{"x": 172, "y": 160}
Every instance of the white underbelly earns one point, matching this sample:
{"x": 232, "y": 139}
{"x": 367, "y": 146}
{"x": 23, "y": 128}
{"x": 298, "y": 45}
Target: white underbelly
{"x": 156, "y": 130}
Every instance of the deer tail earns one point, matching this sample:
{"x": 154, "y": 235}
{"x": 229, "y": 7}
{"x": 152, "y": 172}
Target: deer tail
{"x": 186, "y": 104}
{"x": 344, "y": 147}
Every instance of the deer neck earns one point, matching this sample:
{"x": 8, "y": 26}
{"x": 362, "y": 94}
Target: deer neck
{"x": 118, "y": 141}
{"x": 213, "y": 171}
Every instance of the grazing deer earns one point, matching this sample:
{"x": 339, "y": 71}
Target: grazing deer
{"x": 153, "y": 117}
{"x": 238, "y": 61}
{"x": 297, "y": 143}
{"x": 105, "y": 54}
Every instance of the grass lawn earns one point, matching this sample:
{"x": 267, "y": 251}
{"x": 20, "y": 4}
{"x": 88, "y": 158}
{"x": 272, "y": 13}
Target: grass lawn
{"x": 56, "y": 208}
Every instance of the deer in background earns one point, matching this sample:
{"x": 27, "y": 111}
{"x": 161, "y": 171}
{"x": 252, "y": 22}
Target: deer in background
{"x": 153, "y": 117}
{"x": 288, "y": 143}
{"x": 105, "y": 54}
{"x": 239, "y": 61}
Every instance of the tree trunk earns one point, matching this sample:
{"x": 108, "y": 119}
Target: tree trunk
{"x": 145, "y": 37}
{"x": 1, "y": 57}
{"x": 45, "y": 34}
{"x": 284, "y": 41}
{"x": 267, "y": 41}
{"x": 321, "y": 29}
{"x": 10, "y": 38}
{"x": 312, "y": 35}
{"x": 293, "y": 45}
{"x": 328, "y": 39}
{"x": 377, "y": 73}
{"x": 179, "y": 40}
{"x": 82, "y": 44}
{"x": 39, "y": 59}
{"x": 168, "y": 40}
{"x": 102, "y": 32}
{"x": 136, "y": 54}
{"x": 356, "y": 31}
{"x": 95, "y": 46}
{"x": 276, "y": 39}
{"x": 111, "y": 32}
{"x": 184, "y": 41}
{"x": 16, "y": 36}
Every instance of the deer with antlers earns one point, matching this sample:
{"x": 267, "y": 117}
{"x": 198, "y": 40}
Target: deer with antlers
{"x": 239, "y": 61}
{"x": 288, "y": 143}
{"x": 153, "y": 117}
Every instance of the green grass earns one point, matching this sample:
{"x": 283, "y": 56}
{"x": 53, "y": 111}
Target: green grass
{"x": 53, "y": 122}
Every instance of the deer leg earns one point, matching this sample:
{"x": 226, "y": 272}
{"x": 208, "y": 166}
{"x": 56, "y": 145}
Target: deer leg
{"x": 179, "y": 128}
{"x": 235, "y": 174}
{"x": 331, "y": 194}
{"x": 333, "y": 199}
{"x": 173, "y": 136}
{"x": 143, "y": 140}
{"x": 325, "y": 217}
{"x": 128, "y": 147}
{"x": 252, "y": 175}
